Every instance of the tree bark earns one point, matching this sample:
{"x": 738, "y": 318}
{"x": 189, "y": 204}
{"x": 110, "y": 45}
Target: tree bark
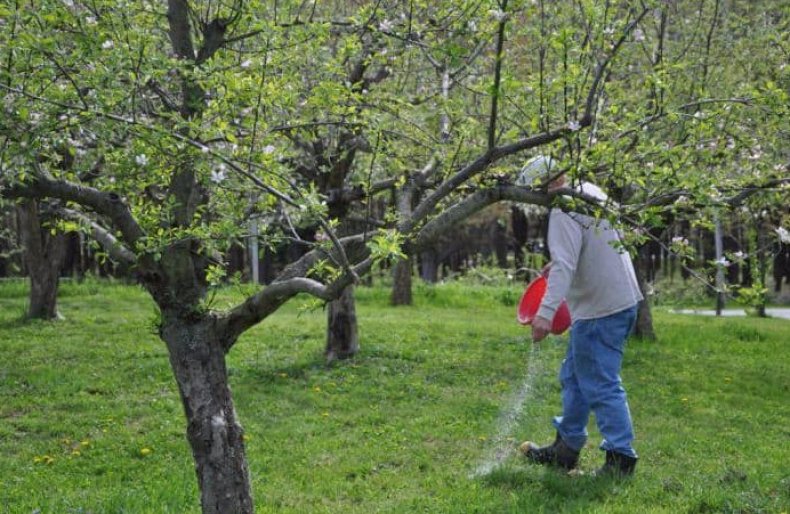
{"x": 644, "y": 318}
{"x": 401, "y": 282}
{"x": 429, "y": 266}
{"x": 44, "y": 254}
{"x": 342, "y": 341}
{"x": 197, "y": 359}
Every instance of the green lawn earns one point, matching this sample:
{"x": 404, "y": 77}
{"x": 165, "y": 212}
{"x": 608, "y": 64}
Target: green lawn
{"x": 90, "y": 420}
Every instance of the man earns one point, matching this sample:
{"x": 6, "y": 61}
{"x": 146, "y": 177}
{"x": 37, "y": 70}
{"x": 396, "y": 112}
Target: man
{"x": 598, "y": 281}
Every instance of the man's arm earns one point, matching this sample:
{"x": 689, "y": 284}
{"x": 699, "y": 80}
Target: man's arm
{"x": 565, "y": 243}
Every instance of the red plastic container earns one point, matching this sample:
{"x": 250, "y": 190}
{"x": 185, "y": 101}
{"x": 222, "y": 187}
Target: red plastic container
{"x": 530, "y": 303}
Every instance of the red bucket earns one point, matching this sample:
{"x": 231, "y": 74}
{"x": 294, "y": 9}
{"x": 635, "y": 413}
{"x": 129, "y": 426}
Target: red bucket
{"x": 530, "y": 303}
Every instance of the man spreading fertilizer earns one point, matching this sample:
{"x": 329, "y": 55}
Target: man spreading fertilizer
{"x": 598, "y": 281}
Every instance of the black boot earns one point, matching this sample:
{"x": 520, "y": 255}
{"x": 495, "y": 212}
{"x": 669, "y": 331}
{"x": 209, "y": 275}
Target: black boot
{"x": 556, "y": 454}
{"x": 617, "y": 465}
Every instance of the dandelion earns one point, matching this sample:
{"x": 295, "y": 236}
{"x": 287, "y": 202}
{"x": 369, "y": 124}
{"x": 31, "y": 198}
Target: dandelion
{"x": 283, "y": 375}
{"x": 317, "y": 389}
{"x": 107, "y": 45}
{"x": 145, "y": 452}
{"x": 325, "y": 414}
{"x": 141, "y": 160}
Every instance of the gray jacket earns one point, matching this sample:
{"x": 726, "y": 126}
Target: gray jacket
{"x": 595, "y": 278}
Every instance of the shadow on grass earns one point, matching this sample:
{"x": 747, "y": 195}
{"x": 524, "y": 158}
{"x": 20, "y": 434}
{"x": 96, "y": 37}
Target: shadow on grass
{"x": 553, "y": 488}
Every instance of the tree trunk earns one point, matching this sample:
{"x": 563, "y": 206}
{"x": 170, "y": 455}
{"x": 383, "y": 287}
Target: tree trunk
{"x": 520, "y": 224}
{"x": 429, "y": 266}
{"x": 644, "y": 318}
{"x": 214, "y": 434}
{"x": 44, "y": 254}
{"x": 342, "y": 340}
{"x": 401, "y": 282}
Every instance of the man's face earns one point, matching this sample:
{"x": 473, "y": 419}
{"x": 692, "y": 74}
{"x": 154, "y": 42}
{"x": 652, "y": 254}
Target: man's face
{"x": 557, "y": 183}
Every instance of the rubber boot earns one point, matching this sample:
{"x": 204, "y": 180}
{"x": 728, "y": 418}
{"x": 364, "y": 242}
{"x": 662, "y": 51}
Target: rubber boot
{"x": 617, "y": 465}
{"x": 556, "y": 454}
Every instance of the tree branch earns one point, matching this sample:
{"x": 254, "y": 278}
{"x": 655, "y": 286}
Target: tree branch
{"x": 259, "y": 306}
{"x": 462, "y": 210}
{"x": 107, "y": 204}
{"x": 592, "y": 94}
{"x": 117, "y": 251}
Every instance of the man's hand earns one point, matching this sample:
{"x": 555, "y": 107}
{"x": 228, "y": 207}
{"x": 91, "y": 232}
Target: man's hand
{"x": 540, "y": 329}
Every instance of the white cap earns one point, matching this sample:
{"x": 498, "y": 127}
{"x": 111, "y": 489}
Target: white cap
{"x": 539, "y": 166}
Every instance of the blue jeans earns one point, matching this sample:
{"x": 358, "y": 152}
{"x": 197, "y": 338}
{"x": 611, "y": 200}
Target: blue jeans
{"x": 590, "y": 378}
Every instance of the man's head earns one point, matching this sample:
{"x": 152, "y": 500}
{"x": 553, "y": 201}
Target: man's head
{"x": 539, "y": 170}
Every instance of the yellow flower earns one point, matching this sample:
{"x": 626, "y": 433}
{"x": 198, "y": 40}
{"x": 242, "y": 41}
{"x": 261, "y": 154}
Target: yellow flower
{"x": 85, "y": 443}
{"x": 145, "y": 452}
{"x": 283, "y": 375}
{"x": 325, "y": 414}
{"x": 75, "y": 453}
{"x": 317, "y": 389}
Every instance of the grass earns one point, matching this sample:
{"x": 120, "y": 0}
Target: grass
{"x": 90, "y": 420}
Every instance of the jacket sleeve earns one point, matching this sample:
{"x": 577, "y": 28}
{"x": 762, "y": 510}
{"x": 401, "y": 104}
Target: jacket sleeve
{"x": 565, "y": 244}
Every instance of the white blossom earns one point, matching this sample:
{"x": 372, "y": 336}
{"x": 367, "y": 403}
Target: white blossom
{"x": 608, "y": 31}
{"x": 784, "y": 235}
{"x": 722, "y": 261}
{"x": 246, "y": 64}
{"x": 680, "y": 240}
{"x": 107, "y": 45}
{"x": 574, "y": 126}
{"x": 639, "y": 35}
{"x": 218, "y": 175}
{"x": 268, "y": 149}
{"x": 498, "y": 14}
{"x": 141, "y": 159}
{"x": 386, "y": 25}
{"x": 739, "y": 255}
{"x": 90, "y": 20}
